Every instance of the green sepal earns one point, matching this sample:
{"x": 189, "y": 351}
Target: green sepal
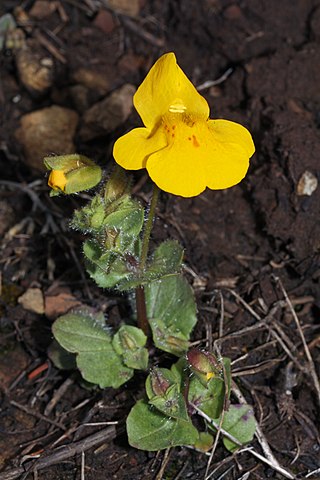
{"x": 171, "y": 403}
{"x": 168, "y": 339}
{"x": 84, "y": 334}
{"x": 129, "y": 342}
{"x": 90, "y": 218}
{"x": 67, "y": 163}
{"x": 149, "y": 429}
{"x": 127, "y": 218}
{"x": 159, "y": 380}
{"x": 83, "y": 178}
{"x": 164, "y": 393}
{"x": 124, "y": 216}
{"x": 208, "y": 399}
{"x": 210, "y": 396}
{"x": 117, "y": 185}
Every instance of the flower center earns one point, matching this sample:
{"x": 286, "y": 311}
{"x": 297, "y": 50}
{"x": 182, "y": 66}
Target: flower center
{"x": 181, "y": 127}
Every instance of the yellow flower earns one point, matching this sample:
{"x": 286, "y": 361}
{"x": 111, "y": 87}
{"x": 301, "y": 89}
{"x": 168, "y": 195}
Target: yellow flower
{"x": 182, "y": 149}
{"x": 57, "y": 180}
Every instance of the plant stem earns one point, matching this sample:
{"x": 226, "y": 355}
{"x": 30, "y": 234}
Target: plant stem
{"x": 142, "y": 311}
{"x": 140, "y": 296}
{"x": 148, "y": 227}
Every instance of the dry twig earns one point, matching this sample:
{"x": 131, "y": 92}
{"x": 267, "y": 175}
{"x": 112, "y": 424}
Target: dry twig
{"x": 62, "y": 453}
{"x": 312, "y": 370}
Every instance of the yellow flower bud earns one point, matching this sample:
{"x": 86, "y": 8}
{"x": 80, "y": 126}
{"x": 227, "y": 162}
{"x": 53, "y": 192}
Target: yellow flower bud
{"x": 57, "y": 180}
{"x": 72, "y": 173}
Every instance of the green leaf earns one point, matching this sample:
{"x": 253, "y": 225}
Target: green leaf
{"x": 129, "y": 342}
{"x": 171, "y": 311}
{"x": 79, "y": 331}
{"x": 167, "y": 260}
{"x": 239, "y": 421}
{"x": 204, "y": 442}
{"x": 104, "y": 368}
{"x": 108, "y": 268}
{"x": 60, "y": 357}
{"x": 85, "y": 335}
{"x": 148, "y": 429}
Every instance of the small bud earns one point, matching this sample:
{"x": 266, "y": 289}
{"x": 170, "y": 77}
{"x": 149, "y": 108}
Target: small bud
{"x": 159, "y": 383}
{"x": 128, "y": 341}
{"x": 117, "y": 185}
{"x": 177, "y": 345}
{"x": 72, "y": 173}
{"x": 203, "y": 364}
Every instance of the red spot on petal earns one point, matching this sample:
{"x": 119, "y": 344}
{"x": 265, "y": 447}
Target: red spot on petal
{"x": 195, "y": 141}
{"x": 189, "y": 138}
{"x": 173, "y": 135}
{"x": 173, "y": 127}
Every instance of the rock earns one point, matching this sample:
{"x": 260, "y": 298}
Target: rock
{"x": 92, "y": 79}
{"x": 60, "y": 304}
{"x": 46, "y": 131}
{"x": 105, "y": 21}
{"x": 107, "y": 115}
{"x": 126, "y": 7}
{"x": 32, "y": 300}
{"x": 233, "y": 12}
{"x": 130, "y": 63}
{"x": 80, "y": 97}
{"x": 42, "y": 9}
{"x": 307, "y": 184}
{"x": 35, "y": 70}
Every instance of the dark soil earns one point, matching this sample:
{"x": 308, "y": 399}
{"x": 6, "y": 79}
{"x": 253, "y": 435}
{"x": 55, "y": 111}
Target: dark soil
{"x": 247, "y": 245}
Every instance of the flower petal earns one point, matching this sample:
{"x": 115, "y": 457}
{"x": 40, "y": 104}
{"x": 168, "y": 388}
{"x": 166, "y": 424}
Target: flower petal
{"x": 226, "y": 131}
{"x": 57, "y": 180}
{"x": 233, "y": 146}
{"x": 132, "y": 149}
{"x": 180, "y": 168}
{"x": 167, "y": 88}
{"x": 202, "y": 154}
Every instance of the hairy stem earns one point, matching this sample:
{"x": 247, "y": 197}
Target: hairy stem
{"x": 148, "y": 228}
{"x": 140, "y": 296}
